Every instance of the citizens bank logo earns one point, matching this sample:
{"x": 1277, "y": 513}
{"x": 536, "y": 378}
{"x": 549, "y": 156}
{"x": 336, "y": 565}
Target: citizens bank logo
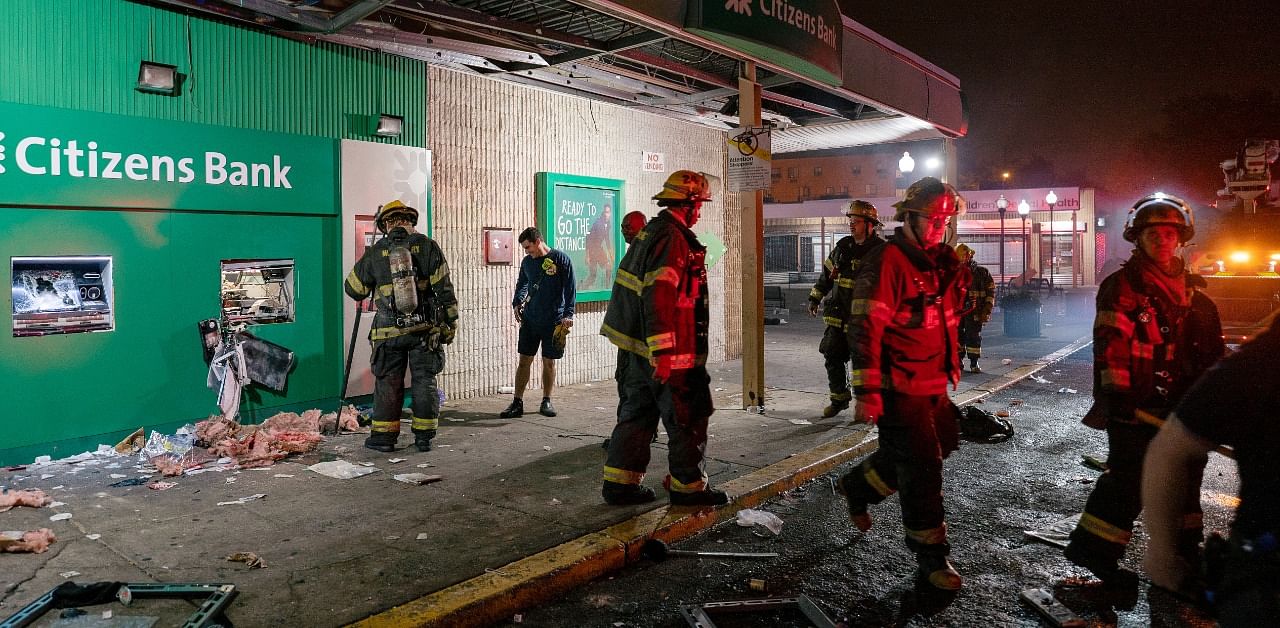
{"x": 1, "y": 153}
{"x": 739, "y": 6}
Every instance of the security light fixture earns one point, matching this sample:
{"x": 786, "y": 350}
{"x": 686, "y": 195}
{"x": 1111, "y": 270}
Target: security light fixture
{"x": 389, "y": 125}
{"x": 157, "y": 78}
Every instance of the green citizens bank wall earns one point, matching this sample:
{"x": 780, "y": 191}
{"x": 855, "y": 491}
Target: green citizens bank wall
{"x": 72, "y": 60}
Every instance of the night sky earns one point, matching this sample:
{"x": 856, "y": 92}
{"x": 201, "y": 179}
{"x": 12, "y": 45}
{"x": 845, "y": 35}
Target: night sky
{"x": 1086, "y": 85}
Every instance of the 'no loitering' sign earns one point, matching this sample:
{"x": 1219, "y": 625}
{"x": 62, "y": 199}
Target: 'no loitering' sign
{"x": 750, "y": 159}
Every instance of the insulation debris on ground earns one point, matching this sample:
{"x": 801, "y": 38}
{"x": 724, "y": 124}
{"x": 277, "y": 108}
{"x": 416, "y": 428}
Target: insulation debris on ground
{"x": 161, "y": 486}
{"x": 248, "y": 558}
{"x": 31, "y": 498}
{"x": 33, "y": 541}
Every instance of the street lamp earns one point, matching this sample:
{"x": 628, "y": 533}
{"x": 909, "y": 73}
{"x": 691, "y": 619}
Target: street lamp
{"x": 1023, "y": 210}
{"x": 932, "y": 163}
{"x": 1002, "y": 204}
{"x": 906, "y": 164}
{"x": 1004, "y": 179}
{"x": 1051, "y": 199}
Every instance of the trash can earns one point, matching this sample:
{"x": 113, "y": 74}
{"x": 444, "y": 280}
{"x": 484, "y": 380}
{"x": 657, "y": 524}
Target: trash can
{"x": 1021, "y": 315}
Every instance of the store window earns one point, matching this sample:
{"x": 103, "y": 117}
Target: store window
{"x": 857, "y": 170}
{"x": 258, "y": 292}
{"x": 817, "y": 171}
{"x": 871, "y": 189}
{"x": 61, "y": 295}
{"x": 791, "y": 173}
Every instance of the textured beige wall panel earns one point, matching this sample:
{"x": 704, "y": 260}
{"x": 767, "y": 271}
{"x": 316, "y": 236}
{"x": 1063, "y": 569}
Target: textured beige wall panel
{"x": 488, "y": 139}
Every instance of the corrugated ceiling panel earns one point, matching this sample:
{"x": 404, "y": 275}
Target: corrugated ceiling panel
{"x": 84, "y": 54}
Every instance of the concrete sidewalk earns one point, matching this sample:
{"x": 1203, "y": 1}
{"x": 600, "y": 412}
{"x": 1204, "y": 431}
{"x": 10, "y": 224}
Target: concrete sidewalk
{"x": 517, "y": 518}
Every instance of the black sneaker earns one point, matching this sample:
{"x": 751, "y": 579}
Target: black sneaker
{"x": 515, "y": 410}
{"x": 706, "y": 497}
{"x": 616, "y": 494}
{"x": 546, "y": 409}
{"x": 381, "y": 441}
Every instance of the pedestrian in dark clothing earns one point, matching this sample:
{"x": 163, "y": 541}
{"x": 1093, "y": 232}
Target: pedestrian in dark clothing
{"x": 658, "y": 317}
{"x": 978, "y": 304}
{"x": 1243, "y": 572}
{"x": 543, "y": 303}
{"x": 903, "y": 347}
{"x": 835, "y": 284}
{"x": 1154, "y": 334}
{"x": 417, "y": 315}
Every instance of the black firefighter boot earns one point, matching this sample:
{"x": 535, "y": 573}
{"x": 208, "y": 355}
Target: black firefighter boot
{"x": 513, "y": 411}
{"x": 381, "y": 441}
{"x": 618, "y": 494}
{"x": 422, "y": 439}
{"x": 937, "y": 570}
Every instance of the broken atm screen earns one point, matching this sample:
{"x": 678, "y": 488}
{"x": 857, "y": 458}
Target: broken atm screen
{"x": 258, "y": 291}
{"x": 61, "y": 295}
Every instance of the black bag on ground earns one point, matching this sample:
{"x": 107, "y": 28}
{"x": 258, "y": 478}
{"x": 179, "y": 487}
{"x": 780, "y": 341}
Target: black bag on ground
{"x": 979, "y": 426}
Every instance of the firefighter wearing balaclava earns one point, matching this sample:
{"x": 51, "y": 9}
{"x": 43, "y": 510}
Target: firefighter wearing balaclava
{"x": 835, "y": 284}
{"x": 1154, "y": 334}
{"x": 903, "y": 347}
{"x": 408, "y": 278}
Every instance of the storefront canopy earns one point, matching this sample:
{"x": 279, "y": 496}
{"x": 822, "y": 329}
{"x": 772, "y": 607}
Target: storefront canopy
{"x": 828, "y": 82}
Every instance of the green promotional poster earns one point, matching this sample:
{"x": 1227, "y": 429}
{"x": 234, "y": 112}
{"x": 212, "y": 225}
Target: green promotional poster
{"x": 65, "y": 158}
{"x": 579, "y": 216}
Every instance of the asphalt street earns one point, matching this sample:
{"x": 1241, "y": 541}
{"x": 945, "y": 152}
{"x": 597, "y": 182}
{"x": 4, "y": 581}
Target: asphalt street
{"x": 993, "y": 493}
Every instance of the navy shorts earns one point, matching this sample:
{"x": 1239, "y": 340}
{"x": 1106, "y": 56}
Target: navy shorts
{"x": 535, "y": 334}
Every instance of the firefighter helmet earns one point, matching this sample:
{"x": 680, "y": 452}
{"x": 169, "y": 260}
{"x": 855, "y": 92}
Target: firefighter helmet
{"x": 1160, "y": 209}
{"x": 685, "y": 186}
{"x": 930, "y": 197}
{"x": 397, "y": 210}
{"x": 864, "y": 210}
{"x": 964, "y": 251}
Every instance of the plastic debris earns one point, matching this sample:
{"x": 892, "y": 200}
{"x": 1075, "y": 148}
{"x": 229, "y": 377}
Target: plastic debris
{"x": 341, "y": 469}
{"x": 118, "y": 475}
{"x": 128, "y": 482}
{"x": 506, "y": 390}
{"x": 395, "y": 460}
{"x": 93, "y": 537}
{"x": 62, "y": 516}
{"x": 243, "y": 500}
{"x": 1069, "y": 391}
{"x": 69, "y": 574}
{"x": 559, "y": 477}
{"x": 417, "y": 479}
{"x": 283, "y": 475}
{"x": 1040, "y": 379}
{"x": 749, "y": 517}
{"x": 131, "y": 443}
{"x": 800, "y": 421}
{"x": 1056, "y": 533}
{"x": 253, "y": 561}
{"x": 1006, "y": 361}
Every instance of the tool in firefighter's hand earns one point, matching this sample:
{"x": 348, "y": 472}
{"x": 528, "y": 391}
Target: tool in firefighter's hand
{"x": 657, "y": 551}
{"x": 1151, "y": 419}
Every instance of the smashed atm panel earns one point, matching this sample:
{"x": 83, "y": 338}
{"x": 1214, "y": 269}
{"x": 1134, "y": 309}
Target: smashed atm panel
{"x": 258, "y": 292}
{"x": 61, "y": 295}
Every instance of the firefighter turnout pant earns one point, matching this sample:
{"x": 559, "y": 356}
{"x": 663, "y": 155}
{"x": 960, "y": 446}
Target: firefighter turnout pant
{"x": 424, "y": 359}
{"x": 835, "y": 356}
{"x": 683, "y": 404}
{"x": 970, "y": 333}
{"x": 916, "y": 433}
{"x": 1107, "y": 522}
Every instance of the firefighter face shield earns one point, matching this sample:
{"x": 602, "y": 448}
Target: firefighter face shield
{"x": 1160, "y": 209}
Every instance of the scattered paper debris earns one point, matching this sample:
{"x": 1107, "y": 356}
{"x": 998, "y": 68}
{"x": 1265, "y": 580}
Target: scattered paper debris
{"x": 424, "y": 465}
{"x": 341, "y": 469}
{"x": 93, "y": 537}
{"x": 231, "y": 480}
{"x": 45, "y": 476}
{"x": 417, "y": 479}
{"x": 1006, "y": 361}
{"x": 1069, "y": 391}
{"x": 424, "y": 536}
{"x": 283, "y": 475}
{"x": 1039, "y": 379}
{"x": 248, "y": 558}
{"x": 62, "y": 516}
{"x": 365, "y": 464}
{"x": 161, "y": 486}
{"x": 116, "y": 476}
{"x": 69, "y": 574}
{"x": 395, "y": 460}
{"x": 748, "y": 517}
{"x": 546, "y": 447}
{"x": 559, "y": 477}
{"x": 243, "y": 500}
{"x": 800, "y": 421}
{"x": 555, "y": 502}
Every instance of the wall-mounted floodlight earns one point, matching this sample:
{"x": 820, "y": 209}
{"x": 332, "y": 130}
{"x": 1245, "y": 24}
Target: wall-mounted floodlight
{"x": 389, "y": 125}
{"x": 157, "y": 78}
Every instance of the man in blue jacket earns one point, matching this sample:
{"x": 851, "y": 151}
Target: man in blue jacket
{"x": 543, "y": 304}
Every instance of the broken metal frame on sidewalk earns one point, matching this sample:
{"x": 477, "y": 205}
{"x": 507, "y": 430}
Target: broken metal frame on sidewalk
{"x": 211, "y": 613}
{"x": 699, "y": 615}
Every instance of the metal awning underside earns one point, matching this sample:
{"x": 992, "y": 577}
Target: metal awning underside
{"x": 591, "y": 48}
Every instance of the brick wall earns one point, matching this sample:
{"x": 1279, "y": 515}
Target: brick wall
{"x": 488, "y": 139}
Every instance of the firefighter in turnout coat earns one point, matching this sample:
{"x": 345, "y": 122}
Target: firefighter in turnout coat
{"x": 837, "y": 280}
{"x": 1155, "y": 333}
{"x": 903, "y": 345}
{"x": 658, "y": 318}
{"x": 977, "y": 307}
{"x": 400, "y": 338}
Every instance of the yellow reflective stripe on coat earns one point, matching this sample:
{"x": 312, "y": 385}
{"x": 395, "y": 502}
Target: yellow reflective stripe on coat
{"x": 658, "y": 342}
{"x": 833, "y": 321}
{"x": 622, "y": 476}
{"x": 441, "y": 273}
{"x": 665, "y": 274}
{"x": 696, "y": 486}
{"x": 931, "y": 536}
{"x": 826, "y": 263}
{"x": 869, "y": 307}
{"x": 816, "y": 294}
{"x": 875, "y": 481}
{"x": 385, "y": 426}
{"x": 1103, "y": 530}
{"x": 629, "y": 281}
{"x": 424, "y": 424}
{"x": 1111, "y": 318}
{"x": 625, "y": 342}
{"x": 357, "y": 286}
{"x": 687, "y": 360}
{"x": 845, "y": 283}
{"x": 869, "y": 378}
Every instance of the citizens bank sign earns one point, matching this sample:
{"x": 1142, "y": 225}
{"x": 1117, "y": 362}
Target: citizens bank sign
{"x": 802, "y": 35}
{"x": 59, "y": 157}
